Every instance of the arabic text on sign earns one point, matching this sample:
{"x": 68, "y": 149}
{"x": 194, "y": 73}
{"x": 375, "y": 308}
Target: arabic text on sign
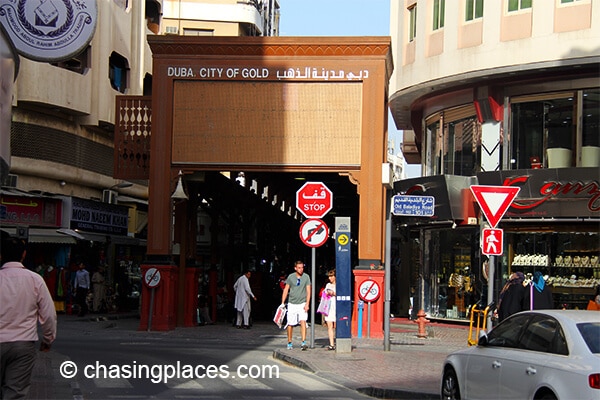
{"x": 213, "y": 72}
{"x": 421, "y": 206}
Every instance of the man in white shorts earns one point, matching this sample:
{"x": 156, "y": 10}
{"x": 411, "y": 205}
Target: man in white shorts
{"x": 298, "y": 286}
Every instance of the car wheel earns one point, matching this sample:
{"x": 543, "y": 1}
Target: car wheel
{"x": 546, "y": 396}
{"x": 450, "y": 390}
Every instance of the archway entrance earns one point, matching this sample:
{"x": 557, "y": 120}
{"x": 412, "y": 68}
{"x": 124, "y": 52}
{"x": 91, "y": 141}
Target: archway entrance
{"x": 272, "y": 108}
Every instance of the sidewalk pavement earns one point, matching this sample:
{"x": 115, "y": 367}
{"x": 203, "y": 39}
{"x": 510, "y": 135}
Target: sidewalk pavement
{"x": 411, "y": 369}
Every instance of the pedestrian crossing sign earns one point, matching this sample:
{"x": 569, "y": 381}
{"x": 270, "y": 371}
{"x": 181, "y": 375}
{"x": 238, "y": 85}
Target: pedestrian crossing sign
{"x": 492, "y": 241}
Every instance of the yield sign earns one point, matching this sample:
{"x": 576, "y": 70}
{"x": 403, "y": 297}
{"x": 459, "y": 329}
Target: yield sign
{"x": 494, "y": 200}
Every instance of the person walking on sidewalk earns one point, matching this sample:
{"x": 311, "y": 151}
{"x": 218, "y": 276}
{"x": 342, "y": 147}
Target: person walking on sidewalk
{"x": 82, "y": 288}
{"x": 99, "y": 289}
{"x": 538, "y": 295}
{"x": 299, "y": 287}
{"x": 330, "y": 317}
{"x": 243, "y": 294}
{"x": 24, "y": 301}
{"x": 511, "y": 296}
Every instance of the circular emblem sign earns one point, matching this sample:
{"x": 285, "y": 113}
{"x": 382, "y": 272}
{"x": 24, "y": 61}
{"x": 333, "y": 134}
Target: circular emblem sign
{"x": 49, "y": 30}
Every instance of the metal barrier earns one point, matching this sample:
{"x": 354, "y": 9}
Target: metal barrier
{"x": 481, "y": 321}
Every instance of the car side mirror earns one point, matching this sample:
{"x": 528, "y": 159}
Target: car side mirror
{"x": 483, "y": 339}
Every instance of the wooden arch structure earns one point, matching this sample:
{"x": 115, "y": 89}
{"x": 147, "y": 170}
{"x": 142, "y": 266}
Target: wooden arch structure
{"x": 280, "y": 104}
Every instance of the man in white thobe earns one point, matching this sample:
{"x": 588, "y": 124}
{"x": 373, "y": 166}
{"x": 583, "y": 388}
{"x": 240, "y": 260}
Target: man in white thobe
{"x": 243, "y": 294}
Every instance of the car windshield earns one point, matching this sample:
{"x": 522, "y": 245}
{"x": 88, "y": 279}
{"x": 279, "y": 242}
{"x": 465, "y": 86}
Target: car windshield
{"x": 590, "y": 332}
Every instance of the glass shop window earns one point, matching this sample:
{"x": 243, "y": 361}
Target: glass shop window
{"x": 545, "y": 132}
{"x": 453, "y": 138}
{"x": 460, "y": 150}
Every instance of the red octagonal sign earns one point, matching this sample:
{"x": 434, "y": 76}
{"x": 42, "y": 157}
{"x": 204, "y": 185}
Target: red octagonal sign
{"x": 314, "y": 200}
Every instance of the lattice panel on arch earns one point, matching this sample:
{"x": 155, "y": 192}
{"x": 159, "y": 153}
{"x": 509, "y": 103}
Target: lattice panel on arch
{"x": 132, "y": 137}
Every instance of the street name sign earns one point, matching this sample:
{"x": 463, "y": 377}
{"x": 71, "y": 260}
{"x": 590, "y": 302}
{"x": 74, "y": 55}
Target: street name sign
{"x": 415, "y": 206}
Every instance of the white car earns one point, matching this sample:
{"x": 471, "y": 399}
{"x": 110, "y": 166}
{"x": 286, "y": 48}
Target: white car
{"x": 543, "y": 354}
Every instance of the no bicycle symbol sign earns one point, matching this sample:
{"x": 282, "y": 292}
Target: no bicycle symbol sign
{"x": 369, "y": 291}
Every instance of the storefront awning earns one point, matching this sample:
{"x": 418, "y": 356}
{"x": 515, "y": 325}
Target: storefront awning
{"x": 44, "y": 235}
{"x": 115, "y": 239}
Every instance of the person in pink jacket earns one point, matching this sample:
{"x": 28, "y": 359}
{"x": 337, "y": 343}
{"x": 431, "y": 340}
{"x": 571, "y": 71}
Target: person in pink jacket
{"x": 24, "y": 301}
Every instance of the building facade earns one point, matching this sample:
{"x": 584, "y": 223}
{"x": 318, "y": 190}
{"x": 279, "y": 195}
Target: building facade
{"x": 497, "y": 93}
{"x": 59, "y": 174}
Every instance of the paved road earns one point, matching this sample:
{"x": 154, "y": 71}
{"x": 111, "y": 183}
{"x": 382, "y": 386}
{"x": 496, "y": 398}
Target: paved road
{"x": 411, "y": 369}
{"x": 114, "y": 359}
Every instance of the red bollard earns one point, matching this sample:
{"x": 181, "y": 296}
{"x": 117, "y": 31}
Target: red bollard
{"x": 421, "y": 321}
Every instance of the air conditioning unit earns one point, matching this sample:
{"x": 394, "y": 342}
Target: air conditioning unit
{"x": 171, "y": 30}
{"x": 11, "y": 180}
{"x": 22, "y": 232}
{"x": 109, "y": 196}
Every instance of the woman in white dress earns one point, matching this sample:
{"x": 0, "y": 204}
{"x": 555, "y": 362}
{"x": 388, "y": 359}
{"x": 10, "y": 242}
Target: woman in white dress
{"x": 330, "y": 318}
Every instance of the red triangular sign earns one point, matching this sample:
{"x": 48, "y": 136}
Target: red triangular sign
{"x": 494, "y": 200}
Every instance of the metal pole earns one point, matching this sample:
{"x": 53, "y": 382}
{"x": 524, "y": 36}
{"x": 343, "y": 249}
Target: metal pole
{"x": 312, "y": 298}
{"x": 387, "y": 276}
{"x": 490, "y": 291}
{"x": 151, "y": 310}
{"x": 369, "y": 320}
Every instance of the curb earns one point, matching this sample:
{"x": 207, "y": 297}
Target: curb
{"x": 379, "y": 393}
{"x": 279, "y": 355}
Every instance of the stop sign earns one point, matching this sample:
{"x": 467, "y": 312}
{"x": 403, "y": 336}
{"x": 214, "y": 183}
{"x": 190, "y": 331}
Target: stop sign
{"x": 314, "y": 200}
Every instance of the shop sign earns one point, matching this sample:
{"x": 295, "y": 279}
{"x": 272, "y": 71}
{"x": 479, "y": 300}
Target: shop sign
{"x": 49, "y": 30}
{"x": 30, "y": 211}
{"x": 546, "y": 192}
{"x": 96, "y": 217}
{"x": 250, "y": 72}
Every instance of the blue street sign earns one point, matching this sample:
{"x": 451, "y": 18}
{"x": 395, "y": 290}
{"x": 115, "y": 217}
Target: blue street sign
{"x": 413, "y": 206}
{"x": 343, "y": 272}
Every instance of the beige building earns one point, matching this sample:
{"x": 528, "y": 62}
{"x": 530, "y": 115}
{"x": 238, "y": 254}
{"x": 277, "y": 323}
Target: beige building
{"x": 498, "y": 93}
{"x": 64, "y": 113}
{"x": 62, "y": 132}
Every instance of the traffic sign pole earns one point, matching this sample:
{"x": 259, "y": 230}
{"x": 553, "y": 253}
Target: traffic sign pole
{"x": 313, "y": 200}
{"x": 313, "y": 270}
{"x": 151, "y": 279}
